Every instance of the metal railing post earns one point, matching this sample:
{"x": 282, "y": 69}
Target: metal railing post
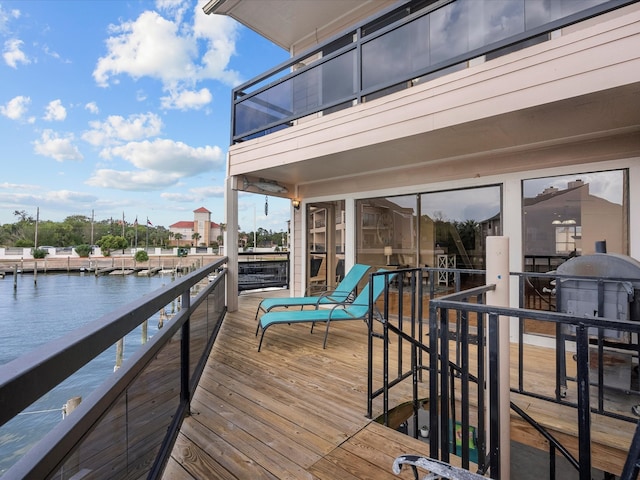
{"x": 185, "y": 393}
{"x": 584, "y": 412}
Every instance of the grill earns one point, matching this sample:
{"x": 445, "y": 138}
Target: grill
{"x": 602, "y": 285}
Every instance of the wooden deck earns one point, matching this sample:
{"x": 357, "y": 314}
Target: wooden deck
{"x": 297, "y": 411}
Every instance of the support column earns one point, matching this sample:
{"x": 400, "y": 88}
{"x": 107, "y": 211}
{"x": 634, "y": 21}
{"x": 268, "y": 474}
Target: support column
{"x": 498, "y": 274}
{"x": 231, "y": 244}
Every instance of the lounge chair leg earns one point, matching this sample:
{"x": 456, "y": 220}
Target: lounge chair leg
{"x": 258, "y": 311}
{"x": 326, "y": 335}
{"x": 261, "y": 337}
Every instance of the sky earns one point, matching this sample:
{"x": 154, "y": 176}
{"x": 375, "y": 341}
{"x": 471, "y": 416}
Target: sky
{"x": 122, "y": 107}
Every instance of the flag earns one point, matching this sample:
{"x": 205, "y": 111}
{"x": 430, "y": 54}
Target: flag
{"x": 135, "y": 222}
{"x": 149, "y": 223}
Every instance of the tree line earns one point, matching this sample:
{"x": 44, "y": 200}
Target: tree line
{"x": 77, "y": 230}
{"x": 81, "y": 230}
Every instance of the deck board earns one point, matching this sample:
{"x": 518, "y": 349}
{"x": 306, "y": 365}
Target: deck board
{"x": 298, "y": 411}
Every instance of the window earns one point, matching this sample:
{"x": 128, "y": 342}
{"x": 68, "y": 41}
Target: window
{"x": 567, "y": 215}
{"x": 422, "y": 229}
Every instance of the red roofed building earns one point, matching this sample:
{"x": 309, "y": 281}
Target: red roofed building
{"x": 201, "y": 224}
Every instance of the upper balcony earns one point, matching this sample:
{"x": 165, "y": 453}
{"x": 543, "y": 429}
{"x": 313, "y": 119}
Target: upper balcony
{"x": 460, "y": 74}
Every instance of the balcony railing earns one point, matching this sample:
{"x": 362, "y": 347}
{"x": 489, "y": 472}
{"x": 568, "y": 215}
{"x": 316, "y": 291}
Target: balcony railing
{"x": 126, "y": 427}
{"x": 397, "y": 49}
{"x": 458, "y": 354}
{"x": 263, "y": 270}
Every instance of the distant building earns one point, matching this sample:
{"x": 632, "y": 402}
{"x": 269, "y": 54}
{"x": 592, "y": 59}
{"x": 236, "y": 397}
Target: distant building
{"x": 201, "y": 224}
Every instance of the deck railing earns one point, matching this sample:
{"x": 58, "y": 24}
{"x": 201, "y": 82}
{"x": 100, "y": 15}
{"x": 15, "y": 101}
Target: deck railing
{"x": 257, "y": 270}
{"x": 126, "y": 427}
{"x": 461, "y": 352}
{"x": 401, "y": 47}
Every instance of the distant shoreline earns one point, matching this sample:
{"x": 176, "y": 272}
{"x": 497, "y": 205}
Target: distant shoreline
{"x": 82, "y": 264}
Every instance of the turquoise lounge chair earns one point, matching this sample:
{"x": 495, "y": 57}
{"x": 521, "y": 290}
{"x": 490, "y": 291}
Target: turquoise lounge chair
{"x": 341, "y": 294}
{"x": 358, "y": 310}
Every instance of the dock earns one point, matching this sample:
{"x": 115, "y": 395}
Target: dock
{"x": 103, "y": 265}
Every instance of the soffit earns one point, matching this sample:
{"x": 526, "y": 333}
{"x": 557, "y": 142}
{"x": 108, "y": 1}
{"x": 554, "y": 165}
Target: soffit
{"x": 288, "y": 23}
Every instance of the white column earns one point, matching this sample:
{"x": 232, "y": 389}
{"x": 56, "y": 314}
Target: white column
{"x": 498, "y": 274}
{"x": 231, "y": 244}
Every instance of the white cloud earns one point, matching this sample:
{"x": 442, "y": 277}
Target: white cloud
{"x": 175, "y": 8}
{"x": 16, "y": 107}
{"x": 17, "y": 186}
{"x": 195, "y": 194}
{"x": 209, "y": 191}
{"x": 67, "y": 196}
{"x": 149, "y": 46}
{"x": 55, "y": 111}
{"x": 116, "y": 129}
{"x": 179, "y": 197}
{"x": 220, "y": 33}
{"x": 159, "y": 164}
{"x": 5, "y": 17}
{"x": 132, "y": 180}
{"x": 13, "y": 54}
{"x": 169, "y": 156}
{"x": 60, "y": 148}
{"x": 92, "y": 107}
{"x": 187, "y": 99}
{"x": 172, "y": 52}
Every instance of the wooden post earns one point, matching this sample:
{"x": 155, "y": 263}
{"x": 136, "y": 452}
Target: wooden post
{"x": 70, "y": 406}
{"x": 68, "y": 264}
{"x": 498, "y": 274}
{"x": 15, "y": 277}
{"x": 145, "y": 326}
{"x": 35, "y": 272}
{"x": 119, "y": 354}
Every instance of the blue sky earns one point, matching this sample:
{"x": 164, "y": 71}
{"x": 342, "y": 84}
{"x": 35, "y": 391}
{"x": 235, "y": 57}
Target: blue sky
{"x": 123, "y": 106}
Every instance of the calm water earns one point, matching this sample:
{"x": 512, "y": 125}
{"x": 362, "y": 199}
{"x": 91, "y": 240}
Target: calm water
{"x": 32, "y": 315}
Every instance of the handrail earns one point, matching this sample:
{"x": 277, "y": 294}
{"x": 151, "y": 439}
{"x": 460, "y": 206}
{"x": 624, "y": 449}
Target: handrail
{"x": 44, "y": 368}
{"x": 554, "y": 443}
{"x": 442, "y": 360}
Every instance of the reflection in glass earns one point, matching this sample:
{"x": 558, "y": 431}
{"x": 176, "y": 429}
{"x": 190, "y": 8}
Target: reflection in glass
{"x": 422, "y": 230}
{"x": 565, "y": 216}
{"x": 391, "y": 56}
{"x": 454, "y": 226}
{"x": 325, "y": 234}
{"x": 387, "y": 231}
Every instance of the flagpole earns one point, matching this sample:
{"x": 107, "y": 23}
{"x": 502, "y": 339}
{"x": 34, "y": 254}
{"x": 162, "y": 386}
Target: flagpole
{"x": 147, "y": 241}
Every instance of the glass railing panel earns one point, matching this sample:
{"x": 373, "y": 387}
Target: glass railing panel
{"x": 440, "y": 39}
{"x": 390, "y": 57}
{"x": 299, "y": 95}
{"x": 198, "y": 337}
{"x": 127, "y": 439}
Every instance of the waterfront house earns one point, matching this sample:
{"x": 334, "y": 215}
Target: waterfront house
{"x": 443, "y": 111}
{"x": 406, "y": 132}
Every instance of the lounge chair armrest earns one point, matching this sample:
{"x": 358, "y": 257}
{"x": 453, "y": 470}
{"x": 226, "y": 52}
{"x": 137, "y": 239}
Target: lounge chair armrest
{"x": 329, "y": 295}
{"x": 343, "y": 305}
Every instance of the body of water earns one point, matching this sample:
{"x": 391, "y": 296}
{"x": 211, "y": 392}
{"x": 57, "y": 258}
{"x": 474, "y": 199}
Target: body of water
{"x": 35, "y": 313}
